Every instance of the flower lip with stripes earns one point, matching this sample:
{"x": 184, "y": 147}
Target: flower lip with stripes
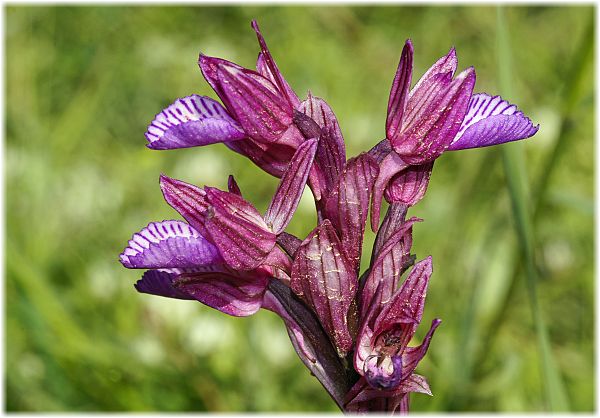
{"x": 225, "y": 236}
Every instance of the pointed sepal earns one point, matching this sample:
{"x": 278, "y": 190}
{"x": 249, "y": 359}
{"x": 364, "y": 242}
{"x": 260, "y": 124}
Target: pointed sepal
{"x": 186, "y": 199}
{"x": 399, "y": 92}
{"x": 323, "y": 277}
{"x": 433, "y": 116}
{"x": 347, "y": 206}
{"x": 236, "y": 228}
{"x": 288, "y": 193}
{"x": 233, "y": 293}
{"x": 255, "y": 103}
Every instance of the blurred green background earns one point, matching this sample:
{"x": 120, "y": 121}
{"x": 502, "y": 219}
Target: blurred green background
{"x": 82, "y": 83}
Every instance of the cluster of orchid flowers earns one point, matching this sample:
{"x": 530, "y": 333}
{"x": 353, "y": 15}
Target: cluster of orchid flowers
{"x": 350, "y": 330}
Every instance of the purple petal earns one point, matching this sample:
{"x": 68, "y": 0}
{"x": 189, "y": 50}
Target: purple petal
{"x": 402, "y": 404}
{"x": 415, "y": 383}
{"x": 208, "y": 66}
{"x": 362, "y": 397}
{"x": 331, "y": 153}
{"x": 237, "y": 230}
{"x": 399, "y": 92}
{"x": 306, "y": 125}
{"x": 406, "y": 305}
{"x": 266, "y": 63}
{"x": 255, "y": 103}
{"x": 347, "y": 206}
{"x": 309, "y": 340}
{"x": 413, "y": 355}
{"x": 391, "y": 165}
{"x": 186, "y": 199}
{"x": 433, "y": 117}
{"x": 380, "y": 377}
{"x": 446, "y": 64}
{"x": 392, "y": 222}
{"x": 491, "y": 121}
{"x": 380, "y": 150}
{"x": 229, "y": 292}
{"x": 232, "y": 186}
{"x": 289, "y": 243}
{"x": 169, "y": 244}
{"x": 190, "y": 122}
{"x": 324, "y": 278}
{"x": 409, "y": 186}
{"x": 160, "y": 283}
{"x": 288, "y": 193}
{"x": 278, "y": 261}
{"x": 271, "y": 157}
{"x": 392, "y": 261}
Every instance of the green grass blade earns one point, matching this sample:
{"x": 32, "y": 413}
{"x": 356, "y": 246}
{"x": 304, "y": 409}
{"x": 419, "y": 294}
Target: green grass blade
{"x": 571, "y": 96}
{"x": 514, "y": 165}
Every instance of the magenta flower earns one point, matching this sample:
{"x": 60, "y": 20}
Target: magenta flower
{"x": 351, "y": 330}
{"x": 262, "y": 119}
{"x": 440, "y": 113}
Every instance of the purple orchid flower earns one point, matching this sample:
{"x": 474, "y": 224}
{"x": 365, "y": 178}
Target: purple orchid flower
{"x": 226, "y": 251}
{"x": 439, "y": 114}
{"x": 262, "y": 119}
{"x": 351, "y": 331}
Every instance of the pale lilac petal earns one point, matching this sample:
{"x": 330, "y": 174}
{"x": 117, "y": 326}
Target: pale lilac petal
{"x": 399, "y": 92}
{"x": 160, "y": 283}
{"x": 347, "y": 206}
{"x": 413, "y": 355}
{"x": 186, "y": 199}
{"x": 266, "y": 63}
{"x": 192, "y": 121}
{"x": 409, "y": 186}
{"x": 237, "y": 230}
{"x": 491, "y": 120}
{"x": 309, "y": 340}
{"x": 288, "y": 193}
{"x": 324, "y": 278}
{"x": 169, "y": 244}
{"x": 255, "y": 103}
{"x": 227, "y": 291}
